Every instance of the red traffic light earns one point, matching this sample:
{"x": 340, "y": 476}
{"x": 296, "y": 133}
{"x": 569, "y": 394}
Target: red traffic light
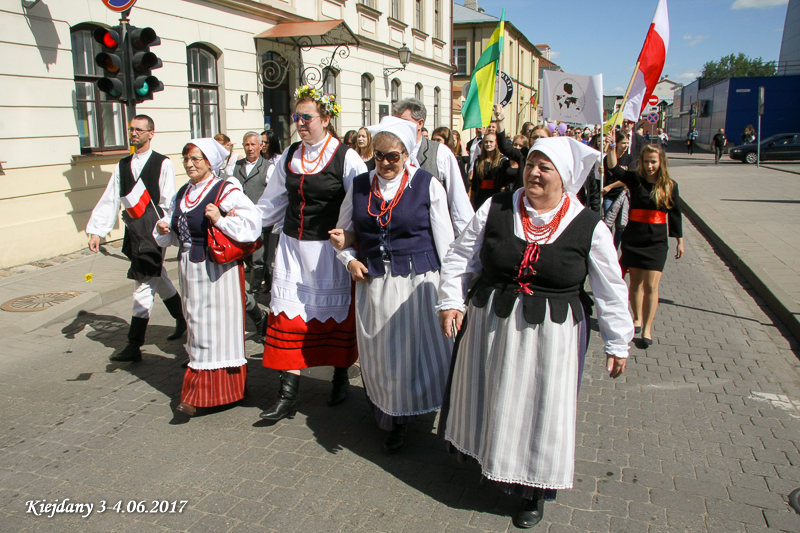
{"x": 106, "y": 37}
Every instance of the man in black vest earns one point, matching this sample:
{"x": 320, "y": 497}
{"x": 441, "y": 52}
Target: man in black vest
{"x": 157, "y": 174}
{"x": 631, "y": 159}
{"x": 252, "y": 173}
{"x": 439, "y": 161}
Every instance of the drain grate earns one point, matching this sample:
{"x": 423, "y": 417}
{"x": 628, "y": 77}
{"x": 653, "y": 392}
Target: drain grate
{"x": 37, "y": 302}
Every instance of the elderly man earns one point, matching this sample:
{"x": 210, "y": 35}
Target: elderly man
{"x": 253, "y": 173}
{"x": 439, "y": 161}
{"x": 156, "y": 174}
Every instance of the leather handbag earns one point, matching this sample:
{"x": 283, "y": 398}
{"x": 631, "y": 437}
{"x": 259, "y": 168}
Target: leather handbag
{"x": 222, "y": 248}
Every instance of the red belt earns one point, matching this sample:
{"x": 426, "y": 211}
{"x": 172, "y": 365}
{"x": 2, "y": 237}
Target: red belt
{"x": 648, "y": 216}
{"x": 488, "y": 184}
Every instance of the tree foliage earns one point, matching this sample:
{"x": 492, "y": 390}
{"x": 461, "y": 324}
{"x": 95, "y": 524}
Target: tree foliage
{"x": 736, "y": 66}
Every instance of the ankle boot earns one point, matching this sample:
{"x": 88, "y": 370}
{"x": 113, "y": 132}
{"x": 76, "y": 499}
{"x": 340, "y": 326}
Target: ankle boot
{"x": 288, "y": 400}
{"x": 529, "y": 514}
{"x": 259, "y": 319}
{"x": 396, "y": 438}
{"x": 173, "y": 305}
{"x": 136, "y": 333}
{"x": 341, "y": 384}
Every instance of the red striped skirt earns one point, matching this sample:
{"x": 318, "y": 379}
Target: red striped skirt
{"x": 295, "y": 344}
{"x": 207, "y": 388}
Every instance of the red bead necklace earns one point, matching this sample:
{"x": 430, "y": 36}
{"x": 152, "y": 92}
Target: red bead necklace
{"x": 384, "y": 207}
{"x": 535, "y": 233}
{"x": 191, "y": 204}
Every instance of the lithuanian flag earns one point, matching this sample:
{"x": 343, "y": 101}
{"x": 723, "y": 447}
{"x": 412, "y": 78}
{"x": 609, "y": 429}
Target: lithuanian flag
{"x": 477, "y": 109}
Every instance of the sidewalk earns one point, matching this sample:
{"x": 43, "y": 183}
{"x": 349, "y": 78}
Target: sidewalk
{"x": 753, "y": 216}
{"x": 67, "y": 274}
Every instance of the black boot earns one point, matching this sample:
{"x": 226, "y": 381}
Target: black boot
{"x": 259, "y": 319}
{"x": 529, "y": 514}
{"x": 341, "y": 384}
{"x": 287, "y": 403}
{"x": 396, "y": 438}
{"x": 173, "y": 305}
{"x": 131, "y": 352}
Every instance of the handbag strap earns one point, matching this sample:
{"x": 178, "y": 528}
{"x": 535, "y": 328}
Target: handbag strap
{"x": 219, "y": 200}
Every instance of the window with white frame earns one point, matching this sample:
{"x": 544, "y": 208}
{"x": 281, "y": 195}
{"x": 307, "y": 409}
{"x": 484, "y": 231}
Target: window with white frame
{"x": 437, "y": 107}
{"x": 437, "y": 19}
{"x": 101, "y": 123}
{"x": 203, "y": 91}
{"x": 329, "y": 87}
{"x": 366, "y": 100}
{"x": 418, "y": 92}
{"x": 460, "y": 56}
{"x": 418, "y": 18}
{"x": 396, "y": 9}
{"x": 397, "y": 92}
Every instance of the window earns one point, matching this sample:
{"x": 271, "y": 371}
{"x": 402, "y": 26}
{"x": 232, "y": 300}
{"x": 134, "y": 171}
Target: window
{"x": 329, "y": 87}
{"x": 437, "y": 17}
{"x": 460, "y": 57}
{"x": 203, "y": 91}
{"x": 418, "y": 14}
{"x": 101, "y": 123}
{"x": 418, "y": 91}
{"x": 397, "y": 92}
{"x": 368, "y": 3}
{"x": 437, "y": 108}
{"x": 366, "y": 100}
{"x": 396, "y": 9}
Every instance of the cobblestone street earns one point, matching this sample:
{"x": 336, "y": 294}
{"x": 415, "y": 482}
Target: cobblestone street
{"x": 699, "y": 435}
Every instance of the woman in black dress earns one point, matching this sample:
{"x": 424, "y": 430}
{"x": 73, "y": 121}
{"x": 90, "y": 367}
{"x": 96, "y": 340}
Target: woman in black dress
{"x": 654, "y": 217}
{"x": 490, "y": 175}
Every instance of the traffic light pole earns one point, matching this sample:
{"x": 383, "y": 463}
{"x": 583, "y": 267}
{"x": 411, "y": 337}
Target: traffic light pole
{"x": 130, "y": 104}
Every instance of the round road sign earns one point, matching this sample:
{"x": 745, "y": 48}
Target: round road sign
{"x": 652, "y": 118}
{"x": 119, "y": 5}
{"x": 653, "y": 100}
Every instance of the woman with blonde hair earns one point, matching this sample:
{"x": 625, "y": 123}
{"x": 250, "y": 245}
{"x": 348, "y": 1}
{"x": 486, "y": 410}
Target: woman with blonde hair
{"x": 364, "y": 148}
{"x": 490, "y": 174}
{"x": 230, "y": 162}
{"x": 655, "y": 215}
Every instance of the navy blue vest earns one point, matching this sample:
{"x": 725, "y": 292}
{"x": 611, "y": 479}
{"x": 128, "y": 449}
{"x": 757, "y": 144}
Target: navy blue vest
{"x": 196, "y": 223}
{"x": 408, "y": 238}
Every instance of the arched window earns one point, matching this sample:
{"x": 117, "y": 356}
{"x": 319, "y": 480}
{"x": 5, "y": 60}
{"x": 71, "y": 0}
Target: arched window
{"x": 101, "y": 123}
{"x": 397, "y": 92}
{"x": 437, "y": 107}
{"x": 329, "y": 87}
{"x": 366, "y": 100}
{"x": 203, "y": 91}
{"x": 418, "y": 92}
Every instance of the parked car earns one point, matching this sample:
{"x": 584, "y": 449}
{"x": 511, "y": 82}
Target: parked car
{"x": 780, "y": 147}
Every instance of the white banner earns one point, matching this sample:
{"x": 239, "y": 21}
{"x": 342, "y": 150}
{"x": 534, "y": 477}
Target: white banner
{"x": 572, "y": 98}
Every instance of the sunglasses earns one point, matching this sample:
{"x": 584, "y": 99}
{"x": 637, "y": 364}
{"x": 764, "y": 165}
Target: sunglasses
{"x": 391, "y": 157}
{"x": 305, "y": 117}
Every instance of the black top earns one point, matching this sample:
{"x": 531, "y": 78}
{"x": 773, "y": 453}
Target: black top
{"x": 631, "y": 160}
{"x": 641, "y": 191}
{"x": 719, "y": 140}
{"x": 150, "y": 175}
{"x": 315, "y": 199}
{"x": 514, "y": 154}
{"x": 560, "y": 271}
{"x": 494, "y": 180}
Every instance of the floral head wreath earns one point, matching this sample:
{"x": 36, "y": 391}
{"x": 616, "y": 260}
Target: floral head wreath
{"x": 328, "y": 101}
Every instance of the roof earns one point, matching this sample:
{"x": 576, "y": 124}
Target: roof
{"x": 544, "y": 62}
{"x": 465, "y": 15}
{"x": 317, "y": 33}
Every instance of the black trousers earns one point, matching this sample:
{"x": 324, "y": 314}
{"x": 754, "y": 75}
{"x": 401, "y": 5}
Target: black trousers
{"x": 718, "y": 153}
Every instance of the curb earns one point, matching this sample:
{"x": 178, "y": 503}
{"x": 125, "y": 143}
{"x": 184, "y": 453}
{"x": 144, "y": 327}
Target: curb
{"x": 778, "y": 300}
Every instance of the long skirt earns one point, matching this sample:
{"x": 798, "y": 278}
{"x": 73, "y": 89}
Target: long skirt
{"x": 405, "y": 358}
{"x": 513, "y": 397}
{"x": 213, "y": 304}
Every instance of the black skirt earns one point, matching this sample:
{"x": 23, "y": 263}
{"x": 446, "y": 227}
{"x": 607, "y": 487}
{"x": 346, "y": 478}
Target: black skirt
{"x": 645, "y": 246}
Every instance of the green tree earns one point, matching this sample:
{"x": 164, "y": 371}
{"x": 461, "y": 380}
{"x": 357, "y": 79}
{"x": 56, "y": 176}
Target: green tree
{"x": 736, "y": 66}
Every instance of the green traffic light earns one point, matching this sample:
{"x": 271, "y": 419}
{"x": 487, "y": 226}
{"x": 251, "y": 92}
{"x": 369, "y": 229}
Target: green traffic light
{"x": 143, "y": 90}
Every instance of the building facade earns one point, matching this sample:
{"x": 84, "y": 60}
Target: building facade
{"x": 472, "y": 29}
{"x": 229, "y": 66}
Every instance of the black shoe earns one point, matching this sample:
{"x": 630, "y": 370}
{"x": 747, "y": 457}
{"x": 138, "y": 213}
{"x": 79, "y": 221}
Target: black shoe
{"x": 637, "y": 330}
{"x": 180, "y": 329}
{"x": 288, "y": 401}
{"x": 341, "y": 385}
{"x": 396, "y": 438}
{"x": 647, "y": 341}
{"x": 261, "y": 326}
{"x": 129, "y": 354}
{"x": 529, "y": 514}
{"x": 175, "y": 309}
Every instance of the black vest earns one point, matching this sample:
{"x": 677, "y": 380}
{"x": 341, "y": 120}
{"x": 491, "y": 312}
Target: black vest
{"x": 196, "y": 223}
{"x": 314, "y": 199}
{"x": 560, "y": 271}
{"x": 150, "y": 176}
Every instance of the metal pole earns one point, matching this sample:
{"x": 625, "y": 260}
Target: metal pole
{"x": 130, "y": 104}
{"x": 758, "y": 161}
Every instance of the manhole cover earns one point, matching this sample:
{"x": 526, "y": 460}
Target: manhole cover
{"x": 37, "y": 302}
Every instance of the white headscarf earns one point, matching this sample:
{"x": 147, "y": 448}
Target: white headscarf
{"x": 216, "y": 154}
{"x": 405, "y": 130}
{"x": 573, "y": 159}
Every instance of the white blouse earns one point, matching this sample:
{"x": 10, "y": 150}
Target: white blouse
{"x": 441, "y": 224}
{"x": 245, "y": 226}
{"x": 462, "y": 266}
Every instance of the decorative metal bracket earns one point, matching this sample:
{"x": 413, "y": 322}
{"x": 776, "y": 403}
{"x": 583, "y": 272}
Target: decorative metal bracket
{"x": 28, "y": 4}
{"x": 404, "y": 55}
{"x": 273, "y": 72}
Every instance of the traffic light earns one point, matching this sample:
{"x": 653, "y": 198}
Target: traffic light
{"x": 143, "y": 62}
{"x": 112, "y": 62}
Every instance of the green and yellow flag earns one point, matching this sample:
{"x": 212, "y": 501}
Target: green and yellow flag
{"x": 477, "y": 109}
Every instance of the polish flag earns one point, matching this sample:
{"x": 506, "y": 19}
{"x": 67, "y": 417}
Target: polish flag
{"x": 651, "y": 63}
{"x": 136, "y": 201}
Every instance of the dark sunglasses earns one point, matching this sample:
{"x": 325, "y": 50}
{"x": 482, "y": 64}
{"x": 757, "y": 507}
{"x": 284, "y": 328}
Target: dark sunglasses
{"x": 305, "y": 117}
{"x": 391, "y": 157}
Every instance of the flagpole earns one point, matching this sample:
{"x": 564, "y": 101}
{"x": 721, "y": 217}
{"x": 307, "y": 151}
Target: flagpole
{"x": 625, "y": 98}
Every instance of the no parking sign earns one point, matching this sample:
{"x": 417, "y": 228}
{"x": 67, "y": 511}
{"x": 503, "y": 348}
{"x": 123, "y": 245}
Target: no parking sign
{"x": 119, "y": 5}
{"x": 652, "y": 118}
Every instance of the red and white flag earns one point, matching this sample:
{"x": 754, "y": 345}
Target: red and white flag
{"x": 651, "y": 63}
{"x": 136, "y": 201}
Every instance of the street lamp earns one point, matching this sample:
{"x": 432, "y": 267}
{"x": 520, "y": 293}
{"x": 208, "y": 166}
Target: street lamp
{"x": 404, "y": 54}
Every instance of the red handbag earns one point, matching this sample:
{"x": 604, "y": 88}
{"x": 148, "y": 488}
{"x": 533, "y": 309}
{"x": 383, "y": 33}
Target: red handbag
{"x": 222, "y": 248}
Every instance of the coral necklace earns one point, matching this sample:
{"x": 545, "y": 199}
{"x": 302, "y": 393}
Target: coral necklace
{"x": 189, "y": 203}
{"x": 535, "y": 233}
{"x": 384, "y": 207}
{"x": 317, "y": 160}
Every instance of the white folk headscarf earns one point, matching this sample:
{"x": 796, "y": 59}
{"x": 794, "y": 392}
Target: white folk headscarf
{"x": 405, "y": 130}
{"x": 573, "y": 159}
{"x": 216, "y": 154}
